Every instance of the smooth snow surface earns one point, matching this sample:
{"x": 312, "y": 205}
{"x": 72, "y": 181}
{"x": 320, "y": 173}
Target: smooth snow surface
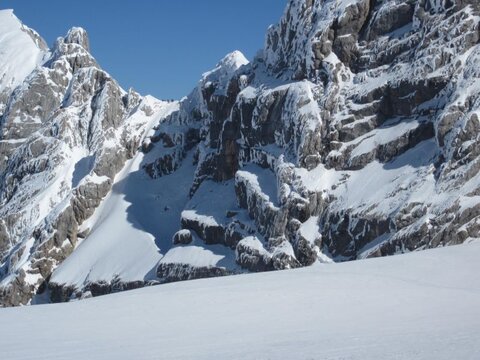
{"x": 19, "y": 51}
{"x": 423, "y": 305}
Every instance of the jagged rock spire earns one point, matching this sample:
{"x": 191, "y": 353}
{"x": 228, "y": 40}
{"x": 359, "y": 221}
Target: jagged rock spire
{"x": 78, "y": 35}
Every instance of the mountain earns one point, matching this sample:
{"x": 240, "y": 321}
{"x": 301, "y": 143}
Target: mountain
{"x": 352, "y": 134}
{"x": 422, "y": 306}
{"x": 66, "y": 129}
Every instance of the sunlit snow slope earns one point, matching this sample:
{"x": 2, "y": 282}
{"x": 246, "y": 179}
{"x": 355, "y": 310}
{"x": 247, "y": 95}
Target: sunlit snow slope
{"x": 21, "y": 50}
{"x": 417, "y": 306}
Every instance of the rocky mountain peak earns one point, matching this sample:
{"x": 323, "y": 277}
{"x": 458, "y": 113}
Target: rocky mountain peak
{"x": 79, "y": 36}
{"x": 233, "y": 61}
{"x": 224, "y": 69}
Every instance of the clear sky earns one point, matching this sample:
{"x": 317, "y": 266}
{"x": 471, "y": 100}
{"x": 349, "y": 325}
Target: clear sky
{"x": 159, "y": 47}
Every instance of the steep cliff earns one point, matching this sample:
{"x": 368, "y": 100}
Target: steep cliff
{"x": 353, "y": 134}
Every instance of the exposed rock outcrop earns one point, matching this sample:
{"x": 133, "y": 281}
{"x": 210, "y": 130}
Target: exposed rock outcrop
{"x": 357, "y": 122}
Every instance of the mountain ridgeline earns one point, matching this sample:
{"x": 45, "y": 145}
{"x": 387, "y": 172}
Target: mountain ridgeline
{"x": 354, "y": 133}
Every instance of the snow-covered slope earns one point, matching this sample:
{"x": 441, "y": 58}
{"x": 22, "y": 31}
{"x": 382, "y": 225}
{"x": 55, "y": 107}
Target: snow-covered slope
{"x": 21, "y": 50}
{"x": 417, "y": 306}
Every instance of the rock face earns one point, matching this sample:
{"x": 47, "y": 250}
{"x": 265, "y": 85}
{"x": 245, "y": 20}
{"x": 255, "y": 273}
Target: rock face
{"x": 65, "y": 132}
{"x": 354, "y": 133}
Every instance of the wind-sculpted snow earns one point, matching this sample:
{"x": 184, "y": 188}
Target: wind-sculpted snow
{"x": 354, "y": 133}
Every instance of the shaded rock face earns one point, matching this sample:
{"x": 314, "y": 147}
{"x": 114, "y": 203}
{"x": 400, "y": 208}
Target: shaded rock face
{"x": 171, "y": 272}
{"x": 182, "y": 237}
{"x": 61, "y": 293}
{"x": 64, "y": 135}
{"x": 359, "y": 119}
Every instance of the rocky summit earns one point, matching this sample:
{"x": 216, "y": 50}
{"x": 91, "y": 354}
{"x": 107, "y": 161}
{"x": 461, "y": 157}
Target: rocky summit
{"x": 354, "y": 133}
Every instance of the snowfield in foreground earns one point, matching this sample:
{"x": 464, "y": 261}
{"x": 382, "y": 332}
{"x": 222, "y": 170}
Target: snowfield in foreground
{"x": 422, "y": 305}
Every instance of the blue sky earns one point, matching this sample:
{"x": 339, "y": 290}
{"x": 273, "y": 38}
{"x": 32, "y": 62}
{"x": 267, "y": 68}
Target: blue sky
{"x": 159, "y": 47}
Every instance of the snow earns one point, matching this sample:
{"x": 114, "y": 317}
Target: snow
{"x": 381, "y": 136}
{"x": 320, "y": 178}
{"x": 197, "y": 254}
{"x": 284, "y": 248}
{"x": 261, "y": 181}
{"x": 385, "y": 185}
{"x": 226, "y": 67}
{"x": 46, "y": 200}
{"x": 113, "y": 248}
{"x": 254, "y": 243}
{"x": 19, "y": 54}
{"x": 224, "y": 71}
{"x": 94, "y": 179}
{"x": 193, "y": 255}
{"x": 214, "y": 199}
{"x": 468, "y": 202}
{"x": 407, "y": 179}
{"x": 192, "y": 215}
{"x": 310, "y": 229}
{"x": 248, "y": 93}
{"x": 132, "y": 226}
{"x": 83, "y": 167}
{"x": 422, "y": 305}
{"x": 372, "y": 246}
{"x": 132, "y": 230}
